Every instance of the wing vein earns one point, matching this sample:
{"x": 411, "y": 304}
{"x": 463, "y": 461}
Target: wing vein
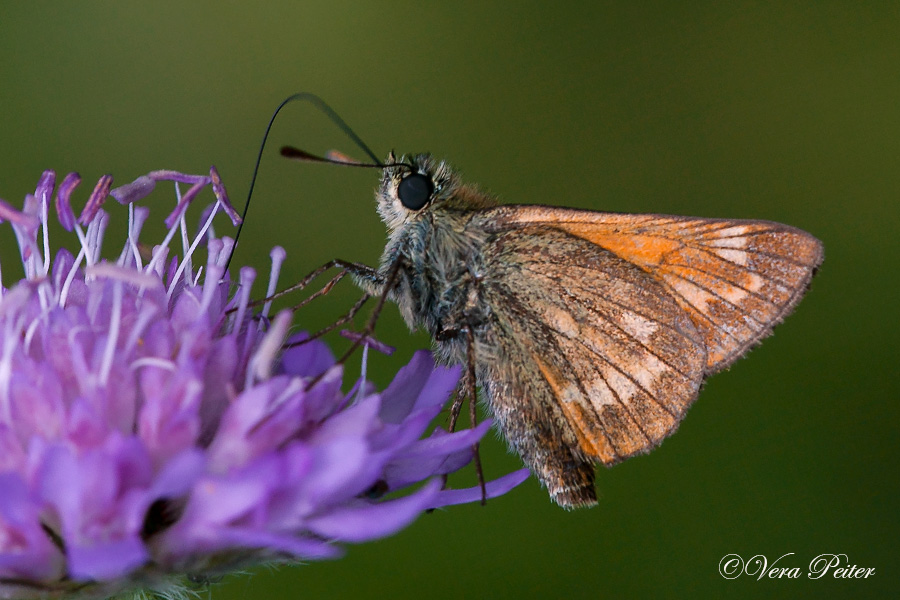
{"x": 725, "y": 300}
{"x": 784, "y": 257}
{"x": 620, "y": 328}
{"x": 606, "y": 360}
{"x": 611, "y": 300}
{"x": 591, "y": 404}
{"x": 734, "y": 284}
{"x": 627, "y": 376}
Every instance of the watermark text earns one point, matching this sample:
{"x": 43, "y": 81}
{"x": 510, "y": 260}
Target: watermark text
{"x": 836, "y": 566}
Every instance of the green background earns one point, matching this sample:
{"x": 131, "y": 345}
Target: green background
{"x": 787, "y": 112}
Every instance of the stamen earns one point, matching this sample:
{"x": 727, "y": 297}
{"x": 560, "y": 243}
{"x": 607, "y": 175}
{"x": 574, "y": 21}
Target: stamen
{"x": 29, "y": 332}
{"x": 184, "y": 202}
{"x": 214, "y": 274}
{"x": 247, "y": 276}
{"x": 362, "y": 374}
{"x": 134, "y": 191}
{"x": 261, "y": 363}
{"x": 45, "y": 234}
{"x": 147, "y": 313}
{"x": 27, "y": 237}
{"x": 157, "y": 260}
{"x": 278, "y": 255}
{"x": 210, "y": 285}
{"x": 136, "y": 218}
{"x": 213, "y": 249}
{"x": 125, "y": 275}
{"x": 185, "y": 247}
{"x": 112, "y": 335}
{"x": 44, "y": 293}
{"x": 80, "y": 369}
{"x": 169, "y": 175}
{"x": 368, "y": 340}
{"x": 185, "y": 263}
{"x": 123, "y": 255}
{"x": 222, "y": 196}
{"x": 250, "y": 334}
{"x": 73, "y": 270}
{"x": 82, "y": 239}
{"x": 154, "y": 361}
{"x": 15, "y": 216}
{"x": 96, "y": 200}
{"x": 10, "y": 338}
{"x": 46, "y": 183}
{"x": 102, "y": 220}
{"x": 154, "y": 261}
{"x": 63, "y": 205}
{"x": 225, "y": 252}
{"x": 92, "y": 240}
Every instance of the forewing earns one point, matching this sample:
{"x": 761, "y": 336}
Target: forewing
{"x": 587, "y": 342}
{"x": 736, "y": 279}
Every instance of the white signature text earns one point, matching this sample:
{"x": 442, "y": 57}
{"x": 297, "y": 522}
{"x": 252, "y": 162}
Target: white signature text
{"x": 835, "y": 566}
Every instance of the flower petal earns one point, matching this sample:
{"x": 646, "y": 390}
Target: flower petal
{"x": 106, "y": 561}
{"x": 368, "y": 521}
{"x": 494, "y": 488}
{"x": 305, "y": 359}
{"x": 417, "y": 385}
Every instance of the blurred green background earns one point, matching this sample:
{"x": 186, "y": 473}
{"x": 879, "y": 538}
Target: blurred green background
{"x": 787, "y": 112}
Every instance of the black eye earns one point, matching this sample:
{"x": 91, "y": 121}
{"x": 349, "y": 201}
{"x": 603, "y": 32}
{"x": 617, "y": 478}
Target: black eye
{"x": 415, "y": 190}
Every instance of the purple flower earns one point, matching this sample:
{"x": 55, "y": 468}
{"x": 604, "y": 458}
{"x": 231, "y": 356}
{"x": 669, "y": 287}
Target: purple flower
{"x": 152, "y": 428}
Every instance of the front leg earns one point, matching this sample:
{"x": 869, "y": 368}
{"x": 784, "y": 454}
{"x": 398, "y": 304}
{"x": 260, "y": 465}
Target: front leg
{"x": 359, "y": 272}
{"x": 369, "y": 280}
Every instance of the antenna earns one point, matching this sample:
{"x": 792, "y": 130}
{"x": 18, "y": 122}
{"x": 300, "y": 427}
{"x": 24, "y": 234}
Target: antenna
{"x": 332, "y": 115}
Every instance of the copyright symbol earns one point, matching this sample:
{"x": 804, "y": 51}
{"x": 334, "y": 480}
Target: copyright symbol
{"x": 731, "y": 566}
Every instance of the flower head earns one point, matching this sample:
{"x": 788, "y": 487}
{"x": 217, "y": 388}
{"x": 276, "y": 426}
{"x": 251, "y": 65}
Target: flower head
{"x": 152, "y": 427}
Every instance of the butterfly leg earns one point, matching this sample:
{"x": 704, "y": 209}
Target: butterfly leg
{"x": 368, "y": 278}
{"x": 447, "y": 335}
{"x": 358, "y": 271}
{"x": 470, "y": 380}
{"x": 342, "y": 320}
{"x": 355, "y": 269}
{"x": 465, "y": 389}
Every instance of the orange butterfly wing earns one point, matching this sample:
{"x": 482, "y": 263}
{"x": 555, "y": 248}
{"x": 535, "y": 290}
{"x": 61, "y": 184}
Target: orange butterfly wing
{"x": 736, "y": 279}
{"x": 584, "y": 357}
{"x": 604, "y": 325}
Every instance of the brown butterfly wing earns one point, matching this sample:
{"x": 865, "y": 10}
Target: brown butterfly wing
{"x": 591, "y": 359}
{"x": 606, "y": 324}
{"x": 737, "y": 279}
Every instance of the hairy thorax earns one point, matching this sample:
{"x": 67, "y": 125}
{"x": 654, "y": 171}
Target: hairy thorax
{"x": 439, "y": 281}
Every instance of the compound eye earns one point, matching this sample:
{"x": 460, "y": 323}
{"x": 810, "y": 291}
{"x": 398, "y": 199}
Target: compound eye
{"x": 415, "y": 191}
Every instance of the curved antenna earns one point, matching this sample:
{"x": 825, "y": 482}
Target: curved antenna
{"x": 331, "y": 114}
{"x": 331, "y": 158}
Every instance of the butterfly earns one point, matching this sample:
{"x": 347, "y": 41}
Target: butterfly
{"x": 589, "y": 333}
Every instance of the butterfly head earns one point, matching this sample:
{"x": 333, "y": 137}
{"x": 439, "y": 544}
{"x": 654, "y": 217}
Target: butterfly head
{"x": 411, "y": 186}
